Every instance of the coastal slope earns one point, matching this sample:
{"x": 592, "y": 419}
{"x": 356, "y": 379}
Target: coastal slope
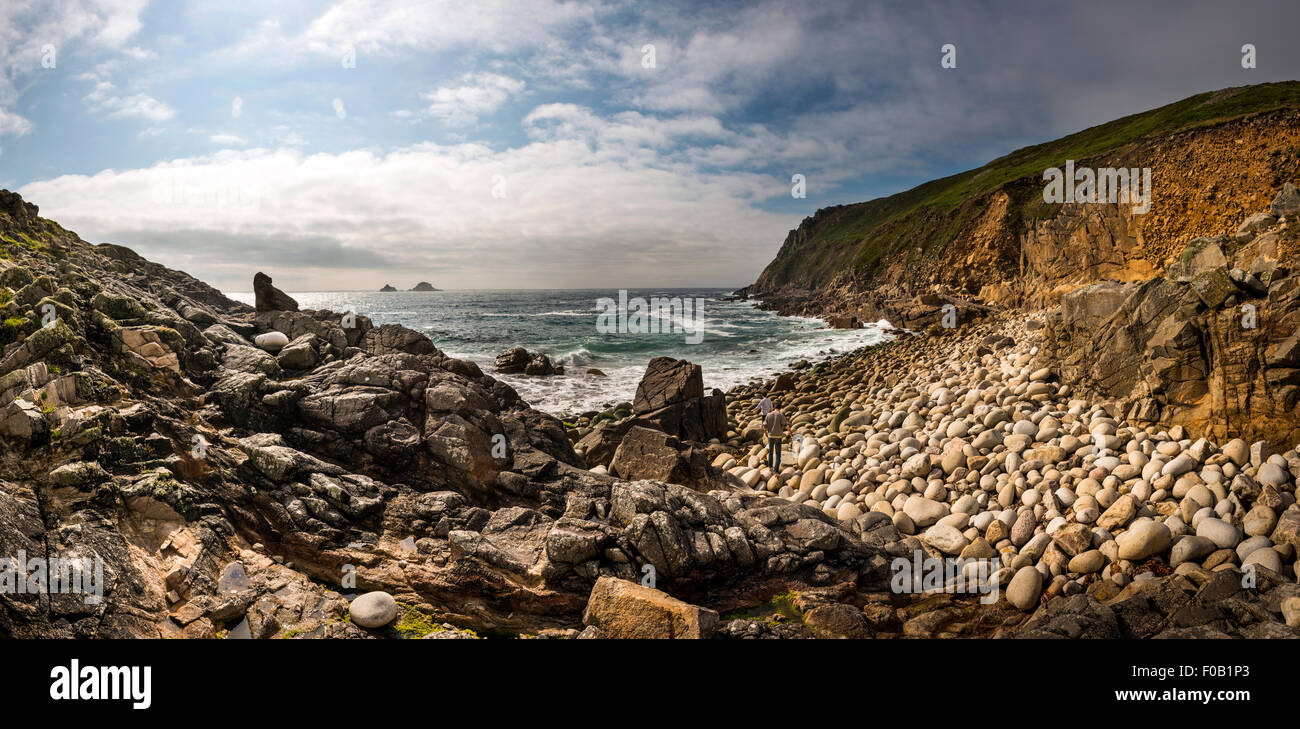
{"x": 986, "y": 235}
{"x": 1120, "y": 284}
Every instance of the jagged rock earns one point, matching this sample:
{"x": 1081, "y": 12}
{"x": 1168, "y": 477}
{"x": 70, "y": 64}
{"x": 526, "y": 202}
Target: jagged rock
{"x": 240, "y": 358}
{"x": 540, "y": 365}
{"x": 151, "y": 344}
{"x": 268, "y": 297}
{"x": 395, "y": 339}
{"x": 671, "y": 394}
{"x": 1077, "y": 616}
{"x": 1287, "y": 530}
{"x": 668, "y": 381}
{"x": 118, "y": 307}
{"x": 1156, "y": 343}
{"x": 300, "y": 354}
{"x": 512, "y": 361}
{"x": 78, "y": 474}
{"x": 598, "y": 446}
{"x": 1287, "y": 202}
{"x": 22, "y": 420}
{"x": 519, "y": 360}
{"x": 654, "y": 455}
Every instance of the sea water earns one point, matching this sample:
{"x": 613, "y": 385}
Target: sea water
{"x": 740, "y": 342}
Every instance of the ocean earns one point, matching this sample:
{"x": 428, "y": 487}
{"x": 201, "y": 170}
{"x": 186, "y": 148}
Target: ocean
{"x": 737, "y": 342}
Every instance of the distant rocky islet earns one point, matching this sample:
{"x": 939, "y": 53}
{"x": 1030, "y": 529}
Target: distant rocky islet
{"x": 422, "y": 286}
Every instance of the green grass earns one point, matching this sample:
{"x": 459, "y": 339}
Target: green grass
{"x": 929, "y": 216}
{"x": 25, "y": 241}
{"x": 12, "y": 329}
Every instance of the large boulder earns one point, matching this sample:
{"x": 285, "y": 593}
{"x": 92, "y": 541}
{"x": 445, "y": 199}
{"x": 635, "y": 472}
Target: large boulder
{"x": 268, "y": 297}
{"x": 668, "y": 381}
{"x": 512, "y": 361}
{"x": 539, "y": 365}
{"x": 623, "y": 609}
{"x": 518, "y": 360}
{"x": 671, "y": 394}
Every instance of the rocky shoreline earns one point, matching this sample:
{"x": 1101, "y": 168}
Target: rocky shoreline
{"x": 970, "y": 447}
{"x": 255, "y": 471}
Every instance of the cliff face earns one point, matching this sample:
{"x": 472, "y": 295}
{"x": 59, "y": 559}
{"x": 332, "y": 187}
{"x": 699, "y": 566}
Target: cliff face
{"x": 1129, "y": 323}
{"x": 987, "y": 237}
{"x": 1209, "y": 344}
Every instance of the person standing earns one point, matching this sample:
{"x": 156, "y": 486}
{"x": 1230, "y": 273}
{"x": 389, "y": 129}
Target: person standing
{"x": 765, "y": 406}
{"x": 774, "y": 425}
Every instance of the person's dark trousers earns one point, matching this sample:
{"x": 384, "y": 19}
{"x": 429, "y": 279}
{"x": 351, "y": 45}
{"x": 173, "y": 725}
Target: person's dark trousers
{"x": 774, "y": 453}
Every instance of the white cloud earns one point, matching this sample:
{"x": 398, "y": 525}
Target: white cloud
{"x": 716, "y": 63}
{"x": 576, "y": 212}
{"x": 105, "y": 98}
{"x": 283, "y": 135}
{"x": 13, "y": 124}
{"x": 28, "y": 26}
{"x": 476, "y": 95}
{"x": 136, "y": 53}
{"x": 394, "y": 26}
{"x": 628, "y": 132}
{"x": 229, "y": 140}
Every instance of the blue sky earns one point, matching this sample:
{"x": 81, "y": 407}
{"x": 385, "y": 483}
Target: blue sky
{"x": 527, "y": 143}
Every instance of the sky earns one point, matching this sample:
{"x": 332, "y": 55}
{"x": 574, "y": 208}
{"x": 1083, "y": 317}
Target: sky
{"x": 348, "y": 144}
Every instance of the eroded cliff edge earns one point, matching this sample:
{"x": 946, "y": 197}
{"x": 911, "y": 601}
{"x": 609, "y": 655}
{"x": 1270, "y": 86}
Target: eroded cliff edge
{"x": 985, "y": 239}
